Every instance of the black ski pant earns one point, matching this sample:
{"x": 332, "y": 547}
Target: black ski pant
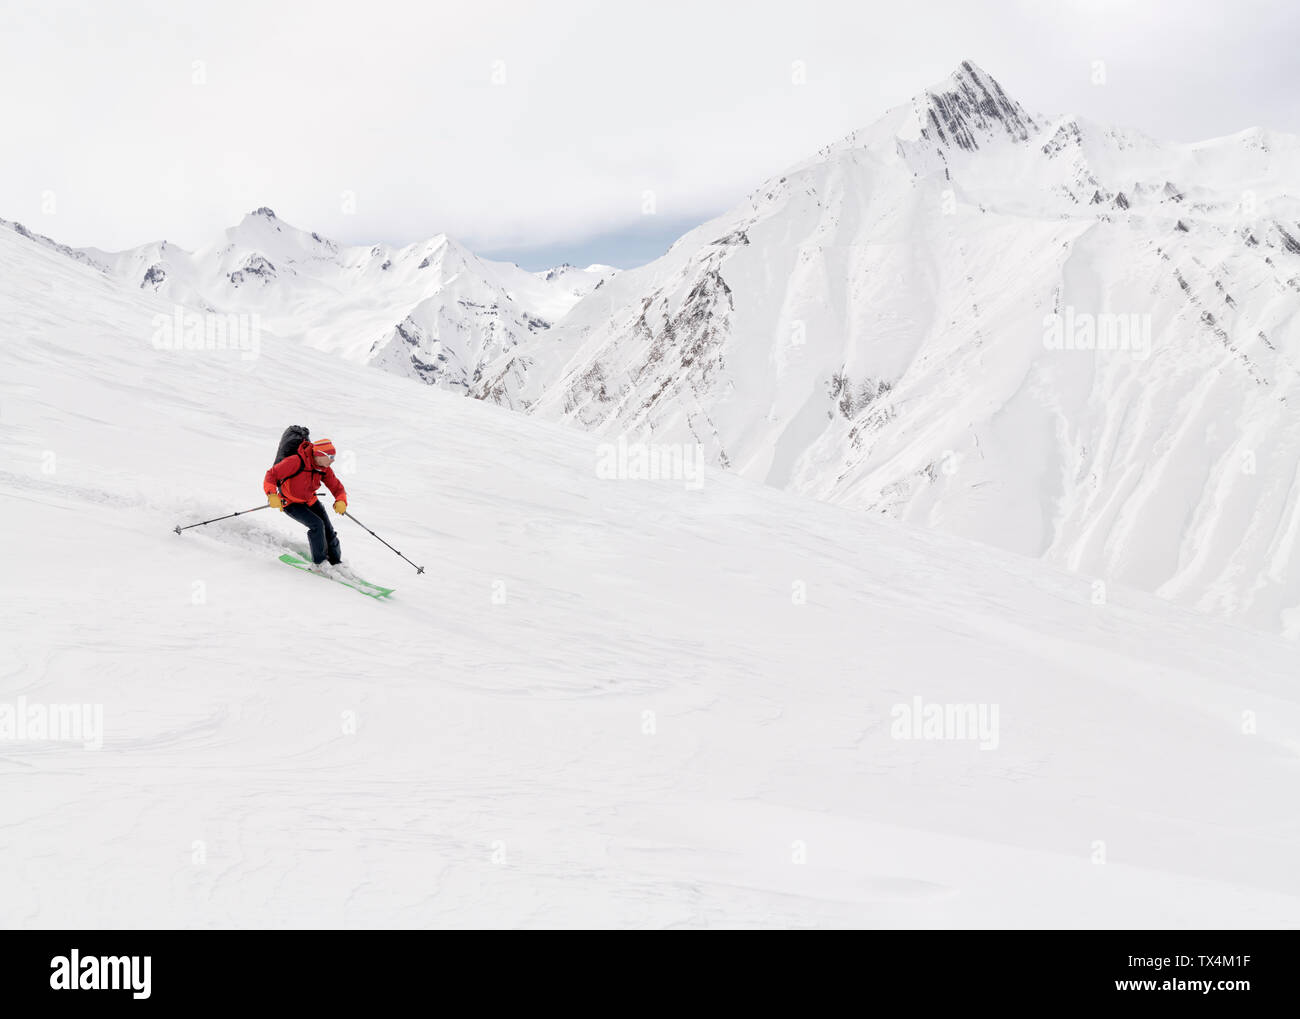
{"x": 320, "y": 532}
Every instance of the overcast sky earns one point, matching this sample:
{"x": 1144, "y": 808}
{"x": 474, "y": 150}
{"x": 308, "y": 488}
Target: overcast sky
{"x": 549, "y": 131}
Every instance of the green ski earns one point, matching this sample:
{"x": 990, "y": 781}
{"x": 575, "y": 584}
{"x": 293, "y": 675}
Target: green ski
{"x": 364, "y": 586}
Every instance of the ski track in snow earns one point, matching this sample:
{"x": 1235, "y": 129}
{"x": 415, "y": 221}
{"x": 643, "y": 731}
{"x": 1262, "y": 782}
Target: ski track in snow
{"x": 504, "y": 770}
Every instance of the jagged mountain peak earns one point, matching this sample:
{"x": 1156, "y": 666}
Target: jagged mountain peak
{"x": 262, "y": 219}
{"x": 967, "y": 76}
{"x": 554, "y": 273}
{"x": 969, "y": 106}
{"x": 967, "y": 111}
{"x": 264, "y": 223}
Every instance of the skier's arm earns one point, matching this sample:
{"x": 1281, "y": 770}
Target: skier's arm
{"x": 335, "y": 485}
{"x": 279, "y": 472}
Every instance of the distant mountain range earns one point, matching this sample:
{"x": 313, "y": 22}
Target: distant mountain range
{"x": 430, "y": 311}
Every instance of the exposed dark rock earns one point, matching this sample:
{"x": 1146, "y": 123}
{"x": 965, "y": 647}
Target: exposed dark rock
{"x": 735, "y": 237}
{"x": 1288, "y": 242}
{"x": 976, "y": 104}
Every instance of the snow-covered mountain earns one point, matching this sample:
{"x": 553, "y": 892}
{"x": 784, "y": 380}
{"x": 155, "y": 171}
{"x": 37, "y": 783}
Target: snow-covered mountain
{"x": 606, "y": 703}
{"x": 1061, "y": 338}
{"x": 577, "y": 282}
{"x": 431, "y": 311}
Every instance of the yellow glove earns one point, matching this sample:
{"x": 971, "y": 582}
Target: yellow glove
{"x": 340, "y": 507}
{"x": 273, "y": 498}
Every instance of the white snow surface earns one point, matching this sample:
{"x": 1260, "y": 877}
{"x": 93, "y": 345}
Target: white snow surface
{"x": 609, "y": 703}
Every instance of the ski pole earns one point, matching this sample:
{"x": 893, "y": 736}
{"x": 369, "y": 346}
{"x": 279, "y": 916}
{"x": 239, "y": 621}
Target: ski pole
{"x": 179, "y": 528}
{"x": 418, "y": 569}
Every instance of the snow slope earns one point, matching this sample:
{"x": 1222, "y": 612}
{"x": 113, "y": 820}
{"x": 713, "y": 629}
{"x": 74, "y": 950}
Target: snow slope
{"x": 607, "y": 702}
{"x": 914, "y": 323}
{"x": 431, "y": 311}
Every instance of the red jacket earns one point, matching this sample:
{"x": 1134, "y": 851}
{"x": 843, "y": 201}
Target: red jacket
{"x": 297, "y": 476}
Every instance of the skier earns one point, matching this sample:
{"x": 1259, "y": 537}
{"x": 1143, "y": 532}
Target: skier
{"x": 290, "y": 486}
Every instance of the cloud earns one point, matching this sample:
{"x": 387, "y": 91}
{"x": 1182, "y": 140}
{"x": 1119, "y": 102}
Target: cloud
{"x": 516, "y": 125}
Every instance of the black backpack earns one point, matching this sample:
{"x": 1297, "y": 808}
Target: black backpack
{"x": 293, "y": 437}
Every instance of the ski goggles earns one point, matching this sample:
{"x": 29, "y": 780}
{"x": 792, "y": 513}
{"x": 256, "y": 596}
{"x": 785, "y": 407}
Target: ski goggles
{"x": 324, "y": 448}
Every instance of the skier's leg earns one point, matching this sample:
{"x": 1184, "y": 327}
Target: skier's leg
{"x": 330, "y": 539}
{"x": 315, "y": 528}
{"x": 333, "y": 550}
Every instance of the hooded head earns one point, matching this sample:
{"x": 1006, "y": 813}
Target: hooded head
{"x": 319, "y": 454}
